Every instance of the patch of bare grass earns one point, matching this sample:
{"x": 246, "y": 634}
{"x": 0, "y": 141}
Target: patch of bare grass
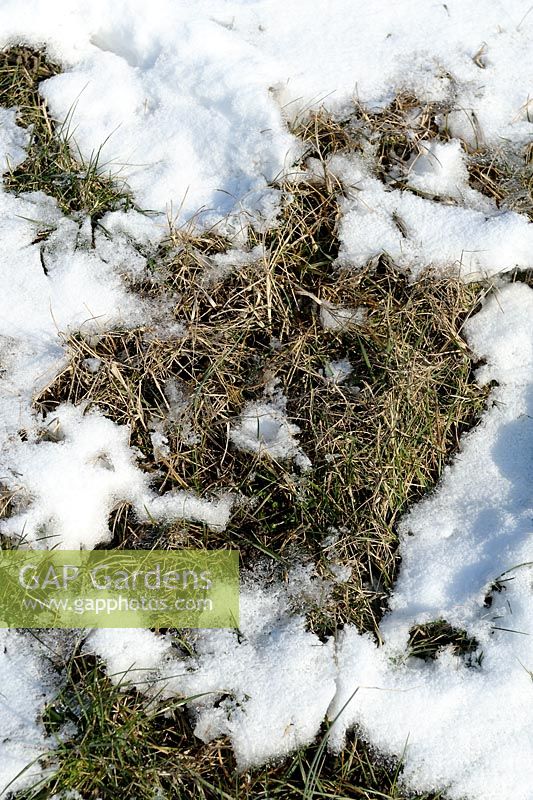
{"x": 377, "y": 441}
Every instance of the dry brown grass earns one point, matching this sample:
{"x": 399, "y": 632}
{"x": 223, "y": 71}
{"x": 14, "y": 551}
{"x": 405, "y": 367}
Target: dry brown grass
{"x": 504, "y": 177}
{"x": 390, "y": 137}
{"x": 377, "y": 442}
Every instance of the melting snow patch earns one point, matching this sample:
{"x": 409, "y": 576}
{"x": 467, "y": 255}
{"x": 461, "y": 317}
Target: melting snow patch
{"x": 172, "y": 505}
{"x": 52, "y": 282}
{"x": 27, "y": 683}
{"x": 439, "y": 169}
{"x": 336, "y": 318}
{"x": 338, "y": 371}
{"x": 67, "y": 486}
{"x": 267, "y": 686}
{"x": 194, "y": 123}
{"x": 13, "y": 140}
{"x": 263, "y": 428}
{"x": 71, "y": 484}
{"x": 476, "y": 238}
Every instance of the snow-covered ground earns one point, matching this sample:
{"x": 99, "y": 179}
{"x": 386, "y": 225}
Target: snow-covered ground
{"x": 190, "y": 102}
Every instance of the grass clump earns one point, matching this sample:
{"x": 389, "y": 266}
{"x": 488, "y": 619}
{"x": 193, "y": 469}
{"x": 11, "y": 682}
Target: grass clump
{"x": 390, "y": 138}
{"x": 377, "y": 441}
{"x": 397, "y": 132}
{"x": 507, "y": 178}
{"x": 113, "y": 743}
{"x": 54, "y": 164}
{"x": 427, "y": 640}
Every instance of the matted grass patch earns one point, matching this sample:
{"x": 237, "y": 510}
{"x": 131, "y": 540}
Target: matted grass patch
{"x": 377, "y": 440}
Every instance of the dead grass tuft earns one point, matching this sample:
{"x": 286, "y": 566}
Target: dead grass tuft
{"x": 504, "y": 177}
{"x": 396, "y": 133}
{"x": 426, "y": 641}
{"x": 391, "y": 137}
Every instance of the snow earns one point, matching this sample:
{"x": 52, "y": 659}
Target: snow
{"x": 263, "y": 428}
{"x": 55, "y": 282}
{"x": 475, "y": 239}
{"x": 28, "y": 681}
{"x": 190, "y": 104}
{"x": 280, "y": 680}
{"x": 173, "y": 505}
{"x": 132, "y": 654}
{"x": 186, "y": 101}
{"x": 267, "y": 687}
{"x": 68, "y": 483}
{"x": 338, "y": 371}
{"x": 221, "y": 79}
{"x": 372, "y": 51}
{"x": 81, "y": 289}
{"x": 336, "y": 318}
{"x": 439, "y": 169}
{"x": 13, "y": 140}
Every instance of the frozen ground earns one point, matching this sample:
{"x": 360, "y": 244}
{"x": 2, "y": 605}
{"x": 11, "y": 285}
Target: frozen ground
{"x": 190, "y": 101}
